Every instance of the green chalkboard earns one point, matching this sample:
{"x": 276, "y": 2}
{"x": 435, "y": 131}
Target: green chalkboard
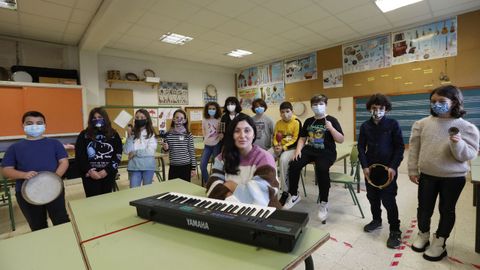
{"x": 409, "y": 108}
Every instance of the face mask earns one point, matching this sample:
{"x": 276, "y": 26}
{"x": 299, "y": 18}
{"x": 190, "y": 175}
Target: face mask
{"x": 140, "y": 122}
{"x": 231, "y": 108}
{"x": 259, "y": 110}
{"x": 287, "y": 116}
{"x": 377, "y": 114}
{"x": 212, "y": 112}
{"x": 439, "y": 107}
{"x": 179, "y": 122}
{"x": 34, "y": 130}
{"x": 98, "y": 123}
{"x": 319, "y": 109}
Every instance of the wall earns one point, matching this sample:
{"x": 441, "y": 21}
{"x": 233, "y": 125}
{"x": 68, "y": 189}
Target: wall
{"x": 197, "y": 75}
{"x": 462, "y": 70}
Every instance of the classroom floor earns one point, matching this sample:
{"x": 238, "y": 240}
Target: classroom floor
{"x": 349, "y": 247}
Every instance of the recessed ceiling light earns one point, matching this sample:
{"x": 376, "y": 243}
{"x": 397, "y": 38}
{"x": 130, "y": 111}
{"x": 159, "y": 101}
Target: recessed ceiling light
{"x": 176, "y": 39}
{"x": 8, "y": 4}
{"x": 239, "y": 53}
{"x": 389, "y": 5}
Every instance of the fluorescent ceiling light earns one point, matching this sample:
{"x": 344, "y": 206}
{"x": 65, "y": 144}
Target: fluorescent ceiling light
{"x": 8, "y": 4}
{"x": 176, "y": 39}
{"x": 239, "y": 53}
{"x": 389, "y": 5}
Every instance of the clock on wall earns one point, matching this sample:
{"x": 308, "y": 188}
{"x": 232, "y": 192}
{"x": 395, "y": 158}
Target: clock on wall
{"x": 299, "y": 108}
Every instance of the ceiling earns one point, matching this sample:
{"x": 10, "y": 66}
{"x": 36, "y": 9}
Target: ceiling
{"x": 271, "y": 29}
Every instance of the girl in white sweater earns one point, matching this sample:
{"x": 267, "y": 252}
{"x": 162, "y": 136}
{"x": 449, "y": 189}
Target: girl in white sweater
{"x": 440, "y": 147}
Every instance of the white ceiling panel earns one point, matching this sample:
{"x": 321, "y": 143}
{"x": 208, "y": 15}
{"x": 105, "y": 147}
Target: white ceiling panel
{"x": 75, "y": 29}
{"x": 234, "y": 27}
{"x": 284, "y": 7}
{"x": 297, "y": 33}
{"x": 207, "y": 18}
{"x": 308, "y": 14}
{"x": 325, "y": 24}
{"x": 401, "y": 16}
{"x": 67, "y": 3}
{"x": 174, "y": 9}
{"x": 371, "y": 22}
{"x": 152, "y": 20}
{"x": 46, "y": 9}
{"x": 443, "y": 4}
{"x": 145, "y": 32}
{"x": 230, "y": 8}
{"x": 8, "y": 16}
{"x": 81, "y": 16}
{"x": 28, "y": 20}
{"x": 336, "y": 6}
{"x": 258, "y": 16}
{"x": 469, "y": 6}
{"x": 361, "y": 12}
{"x": 90, "y": 5}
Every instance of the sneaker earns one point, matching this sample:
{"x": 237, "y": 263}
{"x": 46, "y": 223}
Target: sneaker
{"x": 421, "y": 242}
{"x": 372, "y": 226}
{"x": 323, "y": 212}
{"x": 284, "y": 198}
{"x": 394, "y": 239}
{"x": 294, "y": 199}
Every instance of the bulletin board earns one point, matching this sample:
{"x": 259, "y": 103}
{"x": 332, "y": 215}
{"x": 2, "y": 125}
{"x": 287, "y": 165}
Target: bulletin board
{"x": 408, "y": 108}
{"x": 62, "y": 107}
{"x": 195, "y": 116}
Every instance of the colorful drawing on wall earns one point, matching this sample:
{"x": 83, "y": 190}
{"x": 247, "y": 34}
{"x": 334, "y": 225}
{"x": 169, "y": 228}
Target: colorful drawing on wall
{"x": 164, "y": 114}
{"x": 153, "y": 115}
{"x": 246, "y": 96}
{"x": 426, "y": 42}
{"x": 273, "y": 93}
{"x": 301, "y": 68}
{"x": 247, "y": 78}
{"x": 370, "y": 54}
{"x": 270, "y": 73}
{"x": 173, "y": 93}
{"x": 333, "y": 78}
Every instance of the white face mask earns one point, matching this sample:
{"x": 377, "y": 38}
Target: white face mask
{"x": 319, "y": 109}
{"x": 377, "y": 114}
{"x": 231, "y": 108}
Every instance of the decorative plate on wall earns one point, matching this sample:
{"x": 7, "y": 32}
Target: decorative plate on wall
{"x": 211, "y": 90}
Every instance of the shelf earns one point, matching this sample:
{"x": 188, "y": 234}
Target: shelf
{"x": 110, "y": 82}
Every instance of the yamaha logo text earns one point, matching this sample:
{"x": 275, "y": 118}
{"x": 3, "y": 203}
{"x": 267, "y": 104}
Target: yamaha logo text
{"x": 197, "y": 223}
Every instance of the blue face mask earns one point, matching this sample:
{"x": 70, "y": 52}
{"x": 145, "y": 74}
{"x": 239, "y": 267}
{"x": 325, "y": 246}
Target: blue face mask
{"x": 259, "y": 110}
{"x": 440, "y": 107}
{"x": 34, "y": 130}
{"x": 98, "y": 123}
{"x": 212, "y": 112}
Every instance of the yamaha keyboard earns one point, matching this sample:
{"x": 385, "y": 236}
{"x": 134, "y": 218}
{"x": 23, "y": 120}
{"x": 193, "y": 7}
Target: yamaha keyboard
{"x": 265, "y": 227}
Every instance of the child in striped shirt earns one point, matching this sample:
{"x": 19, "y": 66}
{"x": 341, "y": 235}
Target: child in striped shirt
{"x": 179, "y": 143}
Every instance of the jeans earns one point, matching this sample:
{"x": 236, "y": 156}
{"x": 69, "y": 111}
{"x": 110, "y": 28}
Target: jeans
{"x": 139, "y": 177}
{"x": 36, "y": 215}
{"x": 448, "y": 189}
{"x": 322, "y": 173}
{"x": 385, "y": 196}
{"x": 208, "y": 151}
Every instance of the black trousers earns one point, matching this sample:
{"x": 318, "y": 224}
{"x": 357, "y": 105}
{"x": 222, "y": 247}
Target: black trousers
{"x": 385, "y": 196}
{"x": 94, "y": 187}
{"x": 322, "y": 173}
{"x": 448, "y": 189}
{"x": 36, "y": 215}
{"x": 180, "y": 171}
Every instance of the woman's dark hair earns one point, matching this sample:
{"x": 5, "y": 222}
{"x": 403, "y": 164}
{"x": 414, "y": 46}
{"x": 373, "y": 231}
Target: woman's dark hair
{"x": 230, "y": 153}
{"x": 455, "y": 95}
{"x": 318, "y": 99}
{"x": 172, "y": 125}
{"x": 149, "y": 126}
{"x": 217, "y": 110}
{"x": 379, "y": 99}
{"x": 33, "y": 114}
{"x": 259, "y": 103}
{"x": 286, "y": 105}
{"x": 107, "y": 129}
{"x": 234, "y": 100}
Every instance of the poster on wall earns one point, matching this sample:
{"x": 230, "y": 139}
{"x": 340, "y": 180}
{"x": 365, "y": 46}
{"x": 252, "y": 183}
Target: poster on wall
{"x": 247, "y": 78}
{"x": 164, "y": 114}
{"x": 173, "y": 93}
{"x": 301, "y": 68}
{"x": 430, "y": 41}
{"x": 270, "y": 73}
{"x": 367, "y": 54}
{"x": 246, "y": 96}
{"x": 273, "y": 93}
{"x": 332, "y": 78}
{"x": 153, "y": 115}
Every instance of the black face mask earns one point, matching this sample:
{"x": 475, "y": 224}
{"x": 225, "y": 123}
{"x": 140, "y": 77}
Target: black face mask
{"x": 140, "y": 122}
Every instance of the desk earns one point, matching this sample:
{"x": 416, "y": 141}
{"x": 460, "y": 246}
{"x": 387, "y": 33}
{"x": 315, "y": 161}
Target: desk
{"x": 156, "y": 245}
{"x": 52, "y": 248}
{"x": 475, "y": 171}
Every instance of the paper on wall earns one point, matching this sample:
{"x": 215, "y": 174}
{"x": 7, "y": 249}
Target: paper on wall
{"x": 123, "y": 118}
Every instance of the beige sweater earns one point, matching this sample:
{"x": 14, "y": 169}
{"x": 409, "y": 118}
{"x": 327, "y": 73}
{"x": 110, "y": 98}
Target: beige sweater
{"x": 431, "y": 151}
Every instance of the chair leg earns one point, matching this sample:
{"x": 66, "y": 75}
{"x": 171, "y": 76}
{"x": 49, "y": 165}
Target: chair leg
{"x": 303, "y": 184}
{"x": 10, "y": 210}
{"x": 355, "y": 199}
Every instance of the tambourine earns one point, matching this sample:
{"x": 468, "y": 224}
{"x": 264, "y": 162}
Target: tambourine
{"x": 379, "y": 176}
{"x": 43, "y": 188}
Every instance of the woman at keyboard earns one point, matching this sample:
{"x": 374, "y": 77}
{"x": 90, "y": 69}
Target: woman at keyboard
{"x": 243, "y": 172}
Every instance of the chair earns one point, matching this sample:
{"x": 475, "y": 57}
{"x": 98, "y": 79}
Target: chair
{"x": 6, "y": 199}
{"x": 349, "y": 180}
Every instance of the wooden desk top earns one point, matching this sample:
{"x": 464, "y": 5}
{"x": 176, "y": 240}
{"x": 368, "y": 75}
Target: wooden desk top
{"x": 52, "y": 248}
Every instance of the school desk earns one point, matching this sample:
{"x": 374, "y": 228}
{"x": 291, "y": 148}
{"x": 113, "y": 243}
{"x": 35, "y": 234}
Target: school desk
{"x": 52, "y": 248}
{"x": 113, "y": 237}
